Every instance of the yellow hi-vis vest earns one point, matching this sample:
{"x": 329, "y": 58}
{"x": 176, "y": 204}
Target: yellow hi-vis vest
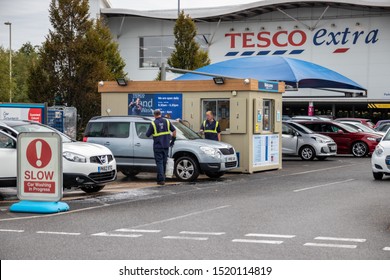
{"x": 156, "y": 134}
{"x": 211, "y": 131}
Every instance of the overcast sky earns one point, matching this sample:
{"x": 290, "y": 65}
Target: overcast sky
{"x": 30, "y": 20}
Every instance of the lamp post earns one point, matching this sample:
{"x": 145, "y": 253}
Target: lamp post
{"x": 178, "y": 8}
{"x": 10, "y": 61}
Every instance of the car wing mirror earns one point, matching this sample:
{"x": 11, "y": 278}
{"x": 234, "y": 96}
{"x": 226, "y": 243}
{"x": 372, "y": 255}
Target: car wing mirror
{"x": 378, "y": 140}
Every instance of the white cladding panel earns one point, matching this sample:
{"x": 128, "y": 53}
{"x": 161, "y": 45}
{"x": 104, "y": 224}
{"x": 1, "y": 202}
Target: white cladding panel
{"x": 348, "y": 42}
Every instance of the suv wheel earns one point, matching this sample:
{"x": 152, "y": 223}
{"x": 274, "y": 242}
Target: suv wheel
{"x": 186, "y": 169}
{"x": 92, "y": 188}
{"x": 214, "y": 175}
{"x": 359, "y": 149}
{"x": 307, "y": 153}
{"x": 129, "y": 173}
{"x": 377, "y": 175}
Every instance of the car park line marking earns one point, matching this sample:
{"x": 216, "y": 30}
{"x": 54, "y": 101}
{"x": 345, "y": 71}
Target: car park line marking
{"x": 269, "y": 235}
{"x": 322, "y": 169}
{"x": 138, "y": 230}
{"x": 273, "y": 242}
{"x": 331, "y": 245}
{"x": 361, "y": 240}
{"x": 116, "y": 235}
{"x": 202, "y": 233}
{"x": 11, "y": 230}
{"x": 186, "y": 238}
{"x": 324, "y": 185}
{"x": 386, "y": 249}
{"x": 59, "y": 232}
{"x": 183, "y": 216}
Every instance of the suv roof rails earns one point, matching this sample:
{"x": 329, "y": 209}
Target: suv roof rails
{"x": 147, "y": 118}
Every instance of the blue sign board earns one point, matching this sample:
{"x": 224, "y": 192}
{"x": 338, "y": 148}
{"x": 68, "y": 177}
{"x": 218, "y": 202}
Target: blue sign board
{"x": 269, "y": 86}
{"x": 170, "y": 104}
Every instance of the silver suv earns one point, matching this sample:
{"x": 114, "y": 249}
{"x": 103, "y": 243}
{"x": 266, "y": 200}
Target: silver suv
{"x": 299, "y": 140}
{"x": 126, "y": 137}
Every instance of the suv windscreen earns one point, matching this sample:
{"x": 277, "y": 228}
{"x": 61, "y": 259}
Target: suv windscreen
{"x": 108, "y": 129}
{"x": 185, "y": 133}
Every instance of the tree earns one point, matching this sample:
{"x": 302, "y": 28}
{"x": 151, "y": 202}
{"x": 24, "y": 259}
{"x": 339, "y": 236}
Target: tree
{"x": 187, "y": 54}
{"x": 78, "y": 52}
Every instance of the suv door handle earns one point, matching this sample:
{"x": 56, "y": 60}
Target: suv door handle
{"x": 138, "y": 145}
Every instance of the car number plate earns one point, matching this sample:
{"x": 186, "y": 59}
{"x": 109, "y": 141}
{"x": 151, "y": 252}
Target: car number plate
{"x": 106, "y": 168}
{"x": 230, "y": 159}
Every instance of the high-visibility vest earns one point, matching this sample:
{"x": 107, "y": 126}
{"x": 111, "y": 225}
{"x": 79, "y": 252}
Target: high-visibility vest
{"x": 210, "y": 131}
{"x": 156, "y": 134}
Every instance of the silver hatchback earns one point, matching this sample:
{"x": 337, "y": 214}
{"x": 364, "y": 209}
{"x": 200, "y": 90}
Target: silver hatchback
{"x": 298, "y": 140}
{"x": 126, "y": 137}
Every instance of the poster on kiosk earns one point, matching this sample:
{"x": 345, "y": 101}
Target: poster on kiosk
{"x": 39, "y": 173}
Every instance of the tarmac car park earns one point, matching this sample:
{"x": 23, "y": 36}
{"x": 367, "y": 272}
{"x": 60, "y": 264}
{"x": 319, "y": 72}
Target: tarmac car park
{"x": 85, "y": 165}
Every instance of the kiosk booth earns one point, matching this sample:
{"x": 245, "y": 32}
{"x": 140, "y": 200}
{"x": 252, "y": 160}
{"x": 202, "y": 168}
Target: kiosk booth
{"x": 249, "y": 111}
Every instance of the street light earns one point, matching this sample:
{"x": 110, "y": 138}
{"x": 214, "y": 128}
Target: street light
{"x": 178, "y": 8}
{"x": 10, "y": 62}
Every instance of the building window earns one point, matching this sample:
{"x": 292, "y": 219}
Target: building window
{"x": 267, "y": 115}
{"x": 220, "y": 109}
{"x": 154, "y": 50}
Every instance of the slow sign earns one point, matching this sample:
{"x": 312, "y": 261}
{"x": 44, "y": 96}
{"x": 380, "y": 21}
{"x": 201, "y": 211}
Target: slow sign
{"x": 39, "y": 166}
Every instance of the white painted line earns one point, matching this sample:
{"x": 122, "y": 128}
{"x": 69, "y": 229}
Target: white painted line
{"x": 183, "y": 216}
{"x": 322, "y": 169}
{"x": 386, "y": 249}
{"x": 274, "y": 242}
{"x": 331, "y": 245}
{"x": 361, "y": 240}
{"x": 186, "y": 238}
{"x": 116, "y": 235}
{"x": 269, "y": 235}
{"x": 324, "y": 185}
{"x": 11, "y": 230}
{"x": 138, "y": 230}
{"x": 59, "y": 232}
{"x": 202, "y": 233}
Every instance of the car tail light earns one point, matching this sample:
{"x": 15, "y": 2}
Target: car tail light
{"x": 85, "y": 139}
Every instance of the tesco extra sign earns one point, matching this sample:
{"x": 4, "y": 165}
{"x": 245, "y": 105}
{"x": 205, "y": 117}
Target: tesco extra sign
{"x": 298, "y": 38}
{"x": 39, "y": 166}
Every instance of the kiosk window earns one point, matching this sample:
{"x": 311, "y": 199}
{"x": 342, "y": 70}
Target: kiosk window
{"x": 267, "y": 115}
{"x": 221, "y": 110}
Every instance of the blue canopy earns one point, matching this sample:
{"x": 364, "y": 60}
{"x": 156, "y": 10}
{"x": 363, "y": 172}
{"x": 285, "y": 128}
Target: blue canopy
{"x": 277, "y": 68}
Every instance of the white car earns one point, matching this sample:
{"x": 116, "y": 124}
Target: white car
{"x": 380, "y": 160}
{"x": 85, "y": 165}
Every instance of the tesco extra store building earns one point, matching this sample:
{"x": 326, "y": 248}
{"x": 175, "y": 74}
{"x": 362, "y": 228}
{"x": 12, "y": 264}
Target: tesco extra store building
{"x": 350, "y": 37}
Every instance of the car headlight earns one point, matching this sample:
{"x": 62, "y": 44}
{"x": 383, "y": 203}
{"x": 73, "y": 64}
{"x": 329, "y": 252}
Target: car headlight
{"x": 379, "y": 150}
{"x": 371, "y": 139}
{"x": 215, "y": 153}
{"x": 319, "y": 140}
{"x": 74, "y": 157}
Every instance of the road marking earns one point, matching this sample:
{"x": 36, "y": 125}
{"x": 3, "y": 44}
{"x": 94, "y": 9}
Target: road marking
{"x": 186, "y": 238}
{"x": 322, "y": 169}
{"x": 331, "y": 245}
{"x": 269, "y": 235}
{"x": 11, "y": 230}
{"x": 202, "y": 233}
{"x": 116, "y": 235}
{"x": 386, "y": 249}
{"x": 138, "y": 230}
{"x": 183, "y": 216}
{"x": 59, "y": 232}
{"x": 361, "y": 240}
{"x": 324, "y": 185}
{"x": 274, "y": 242}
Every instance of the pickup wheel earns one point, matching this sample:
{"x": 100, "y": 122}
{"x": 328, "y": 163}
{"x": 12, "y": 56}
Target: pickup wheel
{"x": 92, "y": 188}
{"x": 186, "y": 169}
{"x": 214, "y": 175}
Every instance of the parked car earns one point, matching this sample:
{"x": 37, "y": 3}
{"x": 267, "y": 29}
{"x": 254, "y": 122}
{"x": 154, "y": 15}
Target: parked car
{"x": 301, "y": 141}
{"x": 362, "y": 127}
{"x": 380, "y": 122}
{"x": 126, "y": 137}
{"x": 348, "y": 139}
{"x": 380, "y": 160}
{"x": 85, "y": 165}
{"x": 384, "y": 127}
{"x": 309, "y": 118}
{"x": 366, "y": 122}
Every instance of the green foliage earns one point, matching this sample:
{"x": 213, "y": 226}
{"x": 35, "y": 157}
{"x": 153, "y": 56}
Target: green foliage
{"x": 187, "y": 54}
{"x": 78, "y": 52}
